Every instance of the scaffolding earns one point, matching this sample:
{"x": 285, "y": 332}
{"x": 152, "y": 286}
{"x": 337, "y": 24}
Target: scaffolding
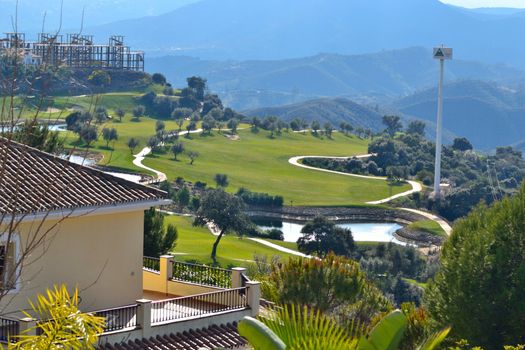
{"x": 77, "y": 51}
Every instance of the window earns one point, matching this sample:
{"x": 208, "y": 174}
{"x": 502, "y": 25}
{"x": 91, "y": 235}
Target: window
{"x": 7, "y": 265}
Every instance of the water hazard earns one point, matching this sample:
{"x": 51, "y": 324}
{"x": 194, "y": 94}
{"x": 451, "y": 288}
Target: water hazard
{"x": 362, "y": 232}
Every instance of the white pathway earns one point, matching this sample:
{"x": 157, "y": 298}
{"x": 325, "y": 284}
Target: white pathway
{"x": 139, "y": 157}
{"x": 279, "y": 248}
{"x": 416, "y": 187}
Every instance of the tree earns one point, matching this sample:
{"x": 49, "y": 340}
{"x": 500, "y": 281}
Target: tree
{"x": 224, "y": 211}
{"x": 109, "y": 135}
{"x": 208, "y": 123}
{"x": 328, "y": 129}
{"x": 179, "y": 115}
{"x": 139, "y": 111}
{"x": 120, "y": 114}
{"x": 214, "y": 103}
{"x": 416, "y": 127}
{"x": 232, "y": 125}
{"x": 479, "y": 289}
{"x": 159, "y": 126}
{"x": 177, "y": 149}
{"x": 77, "y": 119}
{"x": 183, "y": 196}
{"x": 193, "y": 155}
{"x": 321, "y": 237}
{"x": 158, "y": 78}
{"x": 132, "y": 144}
{"x": 158, "y": 239}
{"x": 191, "y": 126}
{"x": 198, "y": 85}
{"x": 462, "y": 144}
{"x": 323, "y": 284}
{"x": 393, "y": 124}
{"x": 295, "y": 124}
{"x": 66, "y": 327}
{"x": 304, "y": 125}
{"x": 315, "y": 126}
{"x": 289, "y": 327}
{"x": 101, "y": 114}
{"x": 221, "y": 180}
{"x": 88, "y": 134}
{"x": 255, "y": 124}
{"x": 39, "y": 136}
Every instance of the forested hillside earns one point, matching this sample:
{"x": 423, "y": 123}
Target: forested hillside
{"x": 324, "y": 110}
{"x": 258, "y": 83}
{"x": 487, "y": 114}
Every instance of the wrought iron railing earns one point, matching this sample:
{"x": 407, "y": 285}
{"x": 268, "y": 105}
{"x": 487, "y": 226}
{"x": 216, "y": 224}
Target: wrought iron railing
{"x": 152, "y": 264}
{"x": 8, "y": 328}
{"x": 198, "y": 305}
{"x": 201, "y": 274}
{"x": 119, "y": 318}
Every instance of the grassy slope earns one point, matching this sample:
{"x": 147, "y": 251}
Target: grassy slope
{"x": 429, "y": 226}
{"x": 255, "y": 161}
{"x": 195, "y": 243}
{"x": 261, "y": 164}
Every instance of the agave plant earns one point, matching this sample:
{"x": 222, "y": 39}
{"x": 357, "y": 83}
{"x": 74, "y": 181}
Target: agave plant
{"x": 294, "y": 328}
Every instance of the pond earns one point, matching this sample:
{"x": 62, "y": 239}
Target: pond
{"x": 79, "y": 159}
{"x": 58, "y": 127}
{"x": 362, "y": 232}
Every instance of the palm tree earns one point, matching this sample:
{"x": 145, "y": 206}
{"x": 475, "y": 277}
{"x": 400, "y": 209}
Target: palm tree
{"x": 65, "y": 325}
{"x": 294, "y": 328}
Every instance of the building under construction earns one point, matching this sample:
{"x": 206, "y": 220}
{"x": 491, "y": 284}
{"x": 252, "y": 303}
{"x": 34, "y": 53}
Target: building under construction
{"x": 76, "y": 51}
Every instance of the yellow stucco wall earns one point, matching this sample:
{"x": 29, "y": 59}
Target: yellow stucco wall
{"x": 99, "y": 254}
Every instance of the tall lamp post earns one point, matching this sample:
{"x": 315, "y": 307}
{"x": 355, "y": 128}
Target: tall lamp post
{"x": 441, "y": 54}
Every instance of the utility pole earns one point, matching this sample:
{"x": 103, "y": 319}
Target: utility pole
{"x": 441, "y": 54}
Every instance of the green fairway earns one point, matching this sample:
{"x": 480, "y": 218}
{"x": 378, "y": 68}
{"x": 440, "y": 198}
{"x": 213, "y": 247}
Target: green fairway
{"x": 254, "y": 161}
{"x": 428, "y": 226}
{"x": 195, "y": 243}
{"x": 260, "y": 164}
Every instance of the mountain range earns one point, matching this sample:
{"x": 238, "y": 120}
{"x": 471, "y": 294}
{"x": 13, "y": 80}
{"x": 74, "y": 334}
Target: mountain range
{"x": 381, "y": 76}
{"x": 97, "y": 12}
{"x": 276, "y": 29}
{"x": 488, "y": 114}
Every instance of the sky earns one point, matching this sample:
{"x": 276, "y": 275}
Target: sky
{"x": 486, "y": 3}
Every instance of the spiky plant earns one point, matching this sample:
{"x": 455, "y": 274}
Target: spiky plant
{"x": 63, "y": 325}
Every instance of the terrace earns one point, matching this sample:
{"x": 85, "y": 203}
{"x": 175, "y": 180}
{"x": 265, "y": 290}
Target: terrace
{"x": 177, "y": 297}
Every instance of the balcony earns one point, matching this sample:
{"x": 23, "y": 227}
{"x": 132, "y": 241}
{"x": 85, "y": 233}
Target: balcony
{"x": 177, "y": 297}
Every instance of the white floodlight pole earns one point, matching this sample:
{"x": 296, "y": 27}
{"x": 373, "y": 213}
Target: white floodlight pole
{"x": 442, "y": 54}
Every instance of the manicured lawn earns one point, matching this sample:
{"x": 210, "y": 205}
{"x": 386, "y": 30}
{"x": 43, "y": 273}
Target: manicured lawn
{"x": 255, "y": 161}
{"x": 195, "y": 243}
{"x": 429, "y": 226}
{"x": 261, "y": 164}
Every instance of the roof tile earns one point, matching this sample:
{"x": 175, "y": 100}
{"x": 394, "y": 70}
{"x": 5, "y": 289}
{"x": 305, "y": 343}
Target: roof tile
{"x": 32, "y": 181}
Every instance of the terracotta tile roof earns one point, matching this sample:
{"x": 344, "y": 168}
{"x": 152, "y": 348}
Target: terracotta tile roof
{"x": 225, "y": 336}
{"x": 32, "y": 181}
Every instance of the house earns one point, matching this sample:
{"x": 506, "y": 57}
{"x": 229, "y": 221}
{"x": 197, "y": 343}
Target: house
{"x": 65, "y": 223}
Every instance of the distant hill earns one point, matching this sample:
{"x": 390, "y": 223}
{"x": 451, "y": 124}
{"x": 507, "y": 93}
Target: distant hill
{"x": 487, "y": 114}
{"x": 276, "y": 29}
{"x": 253, "y": 84}
{"x": 31, "y": 13}
{"x": 324, "y": 110}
